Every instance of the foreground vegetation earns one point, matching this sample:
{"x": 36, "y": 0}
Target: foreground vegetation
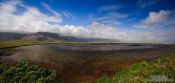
{"x": 25, "y": 73}
{"x": 160, "y": 70}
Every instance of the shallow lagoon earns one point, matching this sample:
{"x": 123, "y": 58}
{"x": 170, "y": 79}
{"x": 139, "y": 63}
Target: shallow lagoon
{"x": 77, "y": 63}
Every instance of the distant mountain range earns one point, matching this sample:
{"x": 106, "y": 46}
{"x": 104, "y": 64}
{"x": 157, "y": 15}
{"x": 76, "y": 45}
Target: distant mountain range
{"x": 43, "y": 36}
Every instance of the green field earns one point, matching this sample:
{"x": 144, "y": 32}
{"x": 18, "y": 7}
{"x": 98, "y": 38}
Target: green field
{"x": 11, "y": 44}
{"x": 163, "y": 68}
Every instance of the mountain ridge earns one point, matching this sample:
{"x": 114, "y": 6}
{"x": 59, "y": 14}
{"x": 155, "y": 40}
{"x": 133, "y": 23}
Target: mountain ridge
{"x": 43, "y": 36}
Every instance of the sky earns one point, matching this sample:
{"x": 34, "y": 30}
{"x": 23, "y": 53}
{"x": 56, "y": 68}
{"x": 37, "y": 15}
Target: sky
{"x": 145, "y": 21}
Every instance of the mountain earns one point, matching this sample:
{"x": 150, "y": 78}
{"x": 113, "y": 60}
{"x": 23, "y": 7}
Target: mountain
{"x": 42, "y": 36}
{"x": 4, "y": 36}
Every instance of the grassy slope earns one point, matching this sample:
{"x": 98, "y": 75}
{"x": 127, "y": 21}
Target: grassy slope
{"x": 138, "y": 73}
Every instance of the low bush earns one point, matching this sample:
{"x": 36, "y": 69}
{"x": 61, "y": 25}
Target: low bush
{"x": 25, "y": 73}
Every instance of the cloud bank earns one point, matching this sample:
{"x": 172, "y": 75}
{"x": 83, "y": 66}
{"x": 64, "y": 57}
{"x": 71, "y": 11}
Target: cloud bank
{"x": 33, "y": 20}
{"x": 163, "y": 18}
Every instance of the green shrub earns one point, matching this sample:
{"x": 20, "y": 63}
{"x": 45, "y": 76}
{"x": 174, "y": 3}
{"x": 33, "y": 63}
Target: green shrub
{"x": 25, "y": 73}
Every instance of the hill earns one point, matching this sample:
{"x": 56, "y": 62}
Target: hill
{"x": 45, "y": 36}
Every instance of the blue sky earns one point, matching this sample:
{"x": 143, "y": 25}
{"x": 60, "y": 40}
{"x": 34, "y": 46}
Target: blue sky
{"x": 126, "y": 20}
{"x": 81, "y": 10}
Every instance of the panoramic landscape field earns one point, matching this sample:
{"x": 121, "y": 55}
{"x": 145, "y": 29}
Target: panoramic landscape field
{"x": 87, "y": 41}
{"x": 87, "y": 62}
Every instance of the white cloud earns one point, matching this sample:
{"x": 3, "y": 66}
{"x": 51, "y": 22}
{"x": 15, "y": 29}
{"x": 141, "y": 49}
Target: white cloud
{"x": 108, "y": 8}
{"x": 157, "y": 20}
{"x": 111, "y": 22}
{"x": 51, "y": 10}
{"x": 112, "y": 18}
{"x": 98, "y": 30}
{"x": 145, "y": 3}
{"x": 118, "y": 15}
{"x": 67, "y": 14}
{"x": 32, "y": 20}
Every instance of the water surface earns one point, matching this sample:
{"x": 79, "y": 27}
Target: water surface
{"x": 78, "y": 63}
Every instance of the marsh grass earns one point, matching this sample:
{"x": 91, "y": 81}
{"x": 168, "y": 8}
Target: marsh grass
{"x": 11, "y": 44}
{"x": 6, "y": 52}
{"x": 139, "y": 72}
